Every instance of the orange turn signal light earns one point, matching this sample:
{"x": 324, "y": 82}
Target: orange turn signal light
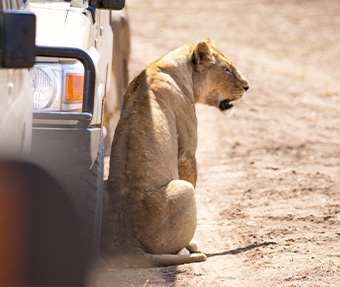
{"x": 74, "y": 87}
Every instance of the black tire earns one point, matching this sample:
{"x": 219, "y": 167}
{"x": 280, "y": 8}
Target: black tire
{"x": 86, "y": 190}
{"x": 94, "y": 201}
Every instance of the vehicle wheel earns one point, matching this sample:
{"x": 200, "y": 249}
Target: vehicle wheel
{"x": 94, "y": 199}
{"x": 87, "y": 196}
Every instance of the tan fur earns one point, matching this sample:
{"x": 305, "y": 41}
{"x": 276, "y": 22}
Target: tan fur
{"x": 152, "y": 210}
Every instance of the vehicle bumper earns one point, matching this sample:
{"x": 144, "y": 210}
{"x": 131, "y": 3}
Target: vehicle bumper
{"x": 60, "y": 149}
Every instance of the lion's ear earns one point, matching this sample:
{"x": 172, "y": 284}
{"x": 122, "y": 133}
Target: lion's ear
{"x": 210, "y": 42}
{"x": 202, "y": 56}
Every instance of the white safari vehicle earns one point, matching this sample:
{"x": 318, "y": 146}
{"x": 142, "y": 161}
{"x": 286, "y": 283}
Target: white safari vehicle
{"x": 51, "y": 174}
{"x": 71, "y": 79}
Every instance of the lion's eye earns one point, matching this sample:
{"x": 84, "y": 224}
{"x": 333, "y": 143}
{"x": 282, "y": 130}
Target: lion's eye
{"x": 227, "y": 70}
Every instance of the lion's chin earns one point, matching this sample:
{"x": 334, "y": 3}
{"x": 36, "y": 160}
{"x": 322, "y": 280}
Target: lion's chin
{"x": 229, "y": 112}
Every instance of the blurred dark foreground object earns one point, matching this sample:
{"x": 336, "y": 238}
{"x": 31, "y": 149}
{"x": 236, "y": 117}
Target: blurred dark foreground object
{"x": 40, "y": 241}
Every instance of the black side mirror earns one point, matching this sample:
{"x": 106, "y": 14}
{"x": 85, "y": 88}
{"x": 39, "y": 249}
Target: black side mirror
{"x": 108, "y": 4}
{"x": 17, "y": 39}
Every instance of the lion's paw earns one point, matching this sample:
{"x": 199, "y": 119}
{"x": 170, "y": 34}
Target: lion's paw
{"x": 184, "y": 251}
{"x": 193, "y": 246}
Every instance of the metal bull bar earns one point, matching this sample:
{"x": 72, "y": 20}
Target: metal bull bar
{"x": 84, "y": 118}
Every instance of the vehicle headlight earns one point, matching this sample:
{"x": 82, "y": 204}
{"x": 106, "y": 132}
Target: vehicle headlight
{"x": 57, "y": 86}
{"x": 44, "y": 87}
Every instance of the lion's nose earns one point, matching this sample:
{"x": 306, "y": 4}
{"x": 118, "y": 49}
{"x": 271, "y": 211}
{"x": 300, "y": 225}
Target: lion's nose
{"x": 246, "y": 88}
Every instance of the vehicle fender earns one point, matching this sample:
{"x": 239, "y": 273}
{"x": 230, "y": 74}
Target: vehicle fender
{"x": 98, "y": 104}
{"x": 99, "y": 92}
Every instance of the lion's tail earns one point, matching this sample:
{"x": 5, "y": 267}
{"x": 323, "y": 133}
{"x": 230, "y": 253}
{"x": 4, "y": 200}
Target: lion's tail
{"x": 158, "y": 260}
{"x": 144, "y": 259}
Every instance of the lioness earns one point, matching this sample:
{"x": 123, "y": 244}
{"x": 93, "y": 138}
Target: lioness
{"x": 152, "y": 210}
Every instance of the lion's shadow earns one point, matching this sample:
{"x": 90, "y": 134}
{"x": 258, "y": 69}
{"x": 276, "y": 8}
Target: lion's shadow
{"x": 240, "y": 250}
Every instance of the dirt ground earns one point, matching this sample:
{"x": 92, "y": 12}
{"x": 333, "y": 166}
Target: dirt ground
{"x": 268, "y": 191}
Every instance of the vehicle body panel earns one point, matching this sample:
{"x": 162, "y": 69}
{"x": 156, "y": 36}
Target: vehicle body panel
{"x": 15, "y": 111}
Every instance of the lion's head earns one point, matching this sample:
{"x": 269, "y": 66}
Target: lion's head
{"x": 217, "y": 82}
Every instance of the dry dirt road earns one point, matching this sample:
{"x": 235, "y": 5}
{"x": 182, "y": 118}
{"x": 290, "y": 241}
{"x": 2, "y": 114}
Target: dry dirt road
{"x": 269, "y": 177}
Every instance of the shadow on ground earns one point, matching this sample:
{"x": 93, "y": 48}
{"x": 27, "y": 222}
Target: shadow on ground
{"x": 241, "y": 250}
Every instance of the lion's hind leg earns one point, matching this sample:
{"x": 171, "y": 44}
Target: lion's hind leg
{"x": 168, "y": 222}
{"x": 166, "y": 225}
